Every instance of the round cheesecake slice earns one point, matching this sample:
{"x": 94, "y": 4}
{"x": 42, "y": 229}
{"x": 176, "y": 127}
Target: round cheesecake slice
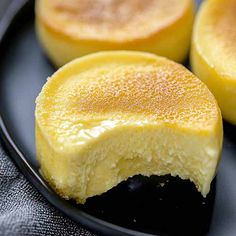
{"x": 213, "y": 53}
{"x": 73, "y": 28}
{"x": 109, "y": 116}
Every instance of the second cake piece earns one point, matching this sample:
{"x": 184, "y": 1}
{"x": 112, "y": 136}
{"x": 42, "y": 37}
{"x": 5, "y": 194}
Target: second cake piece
{"x": 213, "y": 53}
{"x": 69, "y": 29}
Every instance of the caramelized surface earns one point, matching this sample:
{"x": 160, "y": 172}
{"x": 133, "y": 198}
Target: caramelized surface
{"x": 149, "y": 90}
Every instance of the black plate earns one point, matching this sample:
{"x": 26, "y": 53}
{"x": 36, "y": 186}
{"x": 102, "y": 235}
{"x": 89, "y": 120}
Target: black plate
{"x": 137, "y": 205}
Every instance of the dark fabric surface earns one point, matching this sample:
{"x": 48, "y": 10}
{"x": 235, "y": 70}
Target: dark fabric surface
{"x": 23, "y": 211}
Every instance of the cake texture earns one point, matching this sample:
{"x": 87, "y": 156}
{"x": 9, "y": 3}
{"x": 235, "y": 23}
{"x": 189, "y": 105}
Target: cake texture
{"x": 213, "y": 54}
{"x": 111, "y": 115}
{"x": 73, "y": 28}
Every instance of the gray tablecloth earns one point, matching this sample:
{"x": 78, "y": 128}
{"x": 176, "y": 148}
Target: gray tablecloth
{"x": 23, "y": 211}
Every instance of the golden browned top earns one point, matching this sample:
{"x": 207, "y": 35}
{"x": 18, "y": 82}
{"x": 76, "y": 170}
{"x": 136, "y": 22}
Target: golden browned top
{"x": 113, "y": 13}
{"x": 110, "y": 19}
{"x": 216, "y": 32}
{"x": 124, "y": 88}
{"x": 166, "y": 93}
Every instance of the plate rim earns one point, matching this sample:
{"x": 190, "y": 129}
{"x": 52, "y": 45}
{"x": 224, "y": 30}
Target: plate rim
{"x": 86, "y": 220}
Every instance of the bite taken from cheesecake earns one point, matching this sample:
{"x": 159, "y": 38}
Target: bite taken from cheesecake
{"x": 109, "y": 116}
{"x": 68, "y": 29}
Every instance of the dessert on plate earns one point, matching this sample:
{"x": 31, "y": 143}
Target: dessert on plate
{"x": 72, "y": 28}
{"x": 213, "y": 54}
{"x": 108, "y": 116}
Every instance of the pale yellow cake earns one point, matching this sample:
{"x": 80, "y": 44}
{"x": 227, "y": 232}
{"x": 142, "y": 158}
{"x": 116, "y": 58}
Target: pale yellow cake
{"x": 68, "y": 29}
{"x": 214, "y": 52}
{"x": 112, "y": 115}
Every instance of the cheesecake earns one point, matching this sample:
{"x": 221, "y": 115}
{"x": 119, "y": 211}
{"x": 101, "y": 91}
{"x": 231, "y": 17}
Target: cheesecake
{"x": 109, "y": 116}
{"x": 213, "y": 53}
{"x": 73, "y": 28}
